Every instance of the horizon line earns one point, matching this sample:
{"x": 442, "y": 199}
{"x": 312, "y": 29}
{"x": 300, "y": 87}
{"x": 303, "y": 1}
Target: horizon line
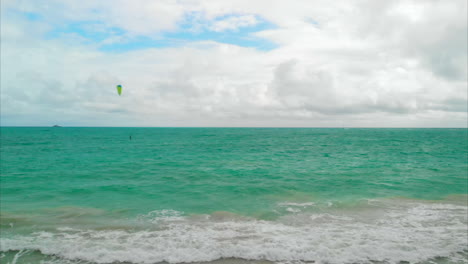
{"x": 341, "y": 127}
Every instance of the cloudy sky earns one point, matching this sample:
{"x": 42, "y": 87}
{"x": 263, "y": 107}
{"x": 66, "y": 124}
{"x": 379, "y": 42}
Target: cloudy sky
{"x": 234, "y": 63}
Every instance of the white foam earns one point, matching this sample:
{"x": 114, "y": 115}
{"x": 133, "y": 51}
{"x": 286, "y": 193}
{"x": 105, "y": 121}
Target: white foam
{"x": 293, "y": 210}
{"x": 18, "y": 255}
{"x": 411, "y": 232}
{"x": 158, "y": 216}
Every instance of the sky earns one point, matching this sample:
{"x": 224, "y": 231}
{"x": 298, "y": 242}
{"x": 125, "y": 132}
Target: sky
{"x": 234, "y": 63}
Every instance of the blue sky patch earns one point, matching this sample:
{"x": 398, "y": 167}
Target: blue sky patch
{"x": 14, "y": 13}
{"x": 92, "y": 31}
{"x": 32, "y": 16}
{"x": 242, "y": 36}
{"x": 193, "y": 28}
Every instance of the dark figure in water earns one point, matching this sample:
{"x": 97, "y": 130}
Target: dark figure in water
{"x": 130, "y": 137}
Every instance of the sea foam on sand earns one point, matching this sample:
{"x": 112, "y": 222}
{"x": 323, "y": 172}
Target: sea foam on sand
{"x": 383, "y": 231}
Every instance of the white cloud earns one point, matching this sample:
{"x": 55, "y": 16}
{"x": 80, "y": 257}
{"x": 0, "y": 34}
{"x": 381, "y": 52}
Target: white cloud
{"x": 233, "y": 23}
{"x": 352, "y": 63}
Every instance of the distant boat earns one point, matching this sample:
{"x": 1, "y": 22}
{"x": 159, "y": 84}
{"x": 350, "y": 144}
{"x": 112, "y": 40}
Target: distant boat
{"x": 56, "y": 126}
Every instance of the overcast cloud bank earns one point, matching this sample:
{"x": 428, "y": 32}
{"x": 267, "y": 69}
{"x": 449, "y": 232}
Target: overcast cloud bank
{"x": 206, "y": 63}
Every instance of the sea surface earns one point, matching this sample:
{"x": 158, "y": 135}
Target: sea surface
{"x": 233, "y": 195}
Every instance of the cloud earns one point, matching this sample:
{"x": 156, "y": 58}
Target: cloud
{"x": 233, "y": 23}
{"x": 353, "y": 63}
{"x": 330, "y": 92}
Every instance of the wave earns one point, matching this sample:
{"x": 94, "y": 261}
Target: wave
{"x": 394, "y": 232}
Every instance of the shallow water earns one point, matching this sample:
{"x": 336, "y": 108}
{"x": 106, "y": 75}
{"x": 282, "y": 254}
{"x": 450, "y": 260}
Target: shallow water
{"x": 92, "y": 195}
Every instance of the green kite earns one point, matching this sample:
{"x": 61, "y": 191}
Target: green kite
{"x": 119, "y": 89}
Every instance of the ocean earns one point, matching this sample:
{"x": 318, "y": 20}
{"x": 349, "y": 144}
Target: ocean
{"x": 233, "y": 195}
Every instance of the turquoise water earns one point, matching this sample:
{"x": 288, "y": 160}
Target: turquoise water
{"x": 280, "y": 188}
